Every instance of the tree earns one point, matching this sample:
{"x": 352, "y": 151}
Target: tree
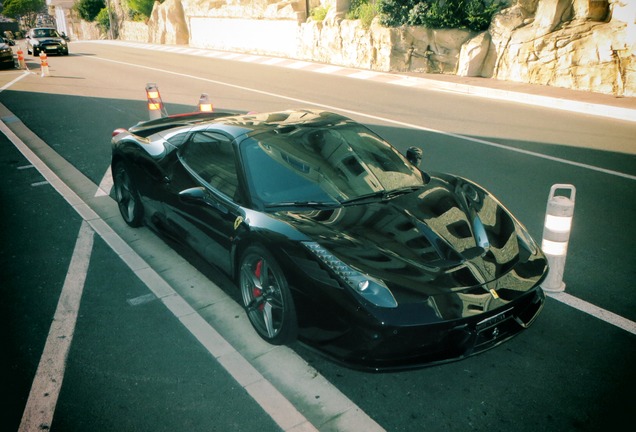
{"x": 27, "y": 9}
{"x": 142, "y": 7}
{"x": 89, "y": 9}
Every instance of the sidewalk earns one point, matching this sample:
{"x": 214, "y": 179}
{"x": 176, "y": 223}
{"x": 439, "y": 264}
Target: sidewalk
{"x": 585, "y": 102}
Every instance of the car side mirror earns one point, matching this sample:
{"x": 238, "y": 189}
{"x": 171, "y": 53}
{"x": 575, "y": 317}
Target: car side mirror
{"x": 414, "y": 155}
{"x": 195, "y": 195}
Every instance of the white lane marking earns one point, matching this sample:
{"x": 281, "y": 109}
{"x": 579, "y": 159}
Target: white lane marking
{"x": 9, "y": 84}
{"x": 378, "y": 118}
{"x": 405, "y": 82}
{"x": 274, "y": 403}
{"x": 42, "y": 183}
{"x": 274, "y": 61}
{"x": 106, "y": 185}
{"x": 25, "y": 167}
{"x": 298, "y": 65}
{"x": 329, "y": 69}
{"x": 251, "y": 59}
{"x": 363, "y": 75}
{"x": 142, "y": 299}
{"x": 40, "y": 406}
{"x": 595, "y": 311}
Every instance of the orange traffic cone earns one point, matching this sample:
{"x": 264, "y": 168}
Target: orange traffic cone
{"x": 44, "y": 65}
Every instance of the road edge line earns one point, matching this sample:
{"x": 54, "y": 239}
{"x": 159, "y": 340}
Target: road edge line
{"x": 40, "y": 406}
{"x": 595, "y": 311}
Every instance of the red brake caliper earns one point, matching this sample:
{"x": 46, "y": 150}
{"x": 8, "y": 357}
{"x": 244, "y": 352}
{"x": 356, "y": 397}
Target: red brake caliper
{"x": 256, "y": 291}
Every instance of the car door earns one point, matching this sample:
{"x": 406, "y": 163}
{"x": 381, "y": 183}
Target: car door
{"x": 200, "y": 206}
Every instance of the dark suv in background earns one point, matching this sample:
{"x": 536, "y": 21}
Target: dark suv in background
{"x": 45, "y": 39}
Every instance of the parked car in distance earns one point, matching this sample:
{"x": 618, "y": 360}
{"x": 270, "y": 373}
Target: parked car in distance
{"x": 47, "y": 40}
{"x": 6, "y": 56}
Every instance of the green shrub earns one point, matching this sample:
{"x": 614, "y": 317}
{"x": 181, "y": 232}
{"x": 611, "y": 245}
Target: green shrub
{"x": 142, "y": 7}
{"x": 364, "y": 10}
{"x": 474, "y": 15}
{"x": 103, "y": 19}
{"x": 89, "y": 9}
{"x": 394, "y": 13}
{"x": 319, "y": 13}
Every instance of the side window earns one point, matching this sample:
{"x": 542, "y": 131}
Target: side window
{"x": 211, "y": 156}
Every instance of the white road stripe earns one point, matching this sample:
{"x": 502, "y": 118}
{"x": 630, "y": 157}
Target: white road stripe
{"x": 273, "y": 61}
{"x": 38, "y": 413}
{"x": 106, "y": 185}
{"x": 9, "y": 84}
{"x": 405, "y": 82}
{"x": 378, "y": 118}
{"x": 298, "y": 65}
{"x": 595, "y": 311}
{"x": 363, "y": 75}
{"x": 329, "y": 69}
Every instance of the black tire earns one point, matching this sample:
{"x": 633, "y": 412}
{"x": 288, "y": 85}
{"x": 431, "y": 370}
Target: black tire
{"x": 266, "y": 297}
{"x": 127, "y": 196}
{"x": 35, "y": 52}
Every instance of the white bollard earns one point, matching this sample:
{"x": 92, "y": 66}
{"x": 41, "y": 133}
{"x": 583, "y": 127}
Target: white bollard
{"x": 44, "y": 65}
{"x": 556, "y": 235}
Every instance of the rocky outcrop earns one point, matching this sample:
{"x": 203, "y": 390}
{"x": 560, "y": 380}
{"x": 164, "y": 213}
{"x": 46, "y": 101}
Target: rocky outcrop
{"x": 578, "y": 44}
{"x": 167, "y": 24}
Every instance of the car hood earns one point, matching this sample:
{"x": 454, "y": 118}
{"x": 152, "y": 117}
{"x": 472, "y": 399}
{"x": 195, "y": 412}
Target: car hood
{"x": 449, "y": 237}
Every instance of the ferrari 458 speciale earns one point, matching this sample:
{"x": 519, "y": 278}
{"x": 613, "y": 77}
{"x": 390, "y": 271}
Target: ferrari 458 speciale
{"x": 332, "y": 236}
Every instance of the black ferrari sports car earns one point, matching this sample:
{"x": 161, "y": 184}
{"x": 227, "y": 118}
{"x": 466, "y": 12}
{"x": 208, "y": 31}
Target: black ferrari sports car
{"x": 333, "y": 237}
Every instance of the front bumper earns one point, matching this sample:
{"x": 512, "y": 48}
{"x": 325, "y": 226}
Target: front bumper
{"x": 51, "y": 48}
{"x": 407, "y": 347}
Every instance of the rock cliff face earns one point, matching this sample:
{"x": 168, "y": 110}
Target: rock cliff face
{"x": 579, "y": 44}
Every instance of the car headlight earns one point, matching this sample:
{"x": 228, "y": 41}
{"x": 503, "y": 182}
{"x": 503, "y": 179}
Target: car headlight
{"x": 35, "y": 42}
{"x": 62, "y": 42}
{"x": 370, "y": 288}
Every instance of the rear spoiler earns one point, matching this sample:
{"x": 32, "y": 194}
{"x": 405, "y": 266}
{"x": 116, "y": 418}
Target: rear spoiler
{"x": 149, "y": 127}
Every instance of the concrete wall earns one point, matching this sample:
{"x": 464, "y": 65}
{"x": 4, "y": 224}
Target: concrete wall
{"x": 273, "y": 37}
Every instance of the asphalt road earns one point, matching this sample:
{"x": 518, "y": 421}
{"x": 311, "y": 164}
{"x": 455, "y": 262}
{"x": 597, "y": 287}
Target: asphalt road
{"x": 133, "y": 366}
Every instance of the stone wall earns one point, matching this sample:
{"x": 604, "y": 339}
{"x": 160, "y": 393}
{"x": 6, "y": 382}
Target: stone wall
{"x": 580, "y": 44}
{"x": 134, "y": 31}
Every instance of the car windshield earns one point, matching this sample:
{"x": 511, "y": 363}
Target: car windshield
{"x": 40, "y": 33}
{"x": 327, "y": 165}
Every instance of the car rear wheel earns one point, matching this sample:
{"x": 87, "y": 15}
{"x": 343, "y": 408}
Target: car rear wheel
{"x": 127, "y": 196}
{"x": 266, "y": 297}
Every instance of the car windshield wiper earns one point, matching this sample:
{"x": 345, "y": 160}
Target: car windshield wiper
{"x": 401, "y": 191}
{"x": 312, "y": 204}
{"x": 382, "y": 195}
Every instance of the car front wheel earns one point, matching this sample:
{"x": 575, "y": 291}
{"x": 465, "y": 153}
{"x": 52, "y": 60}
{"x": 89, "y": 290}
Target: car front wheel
{"x": 127, "y": 196}
{"x": 266, "y": 297}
